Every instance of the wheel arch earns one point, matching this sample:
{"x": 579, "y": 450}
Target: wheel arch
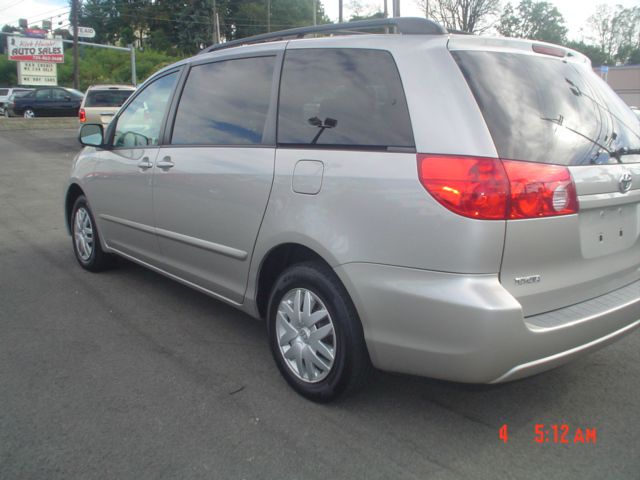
{"x": 73, "y": 192}
{"x": 276, "y": 261}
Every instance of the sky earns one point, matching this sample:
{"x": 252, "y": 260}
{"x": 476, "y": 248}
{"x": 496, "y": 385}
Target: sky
{"x": 575, "y": 12}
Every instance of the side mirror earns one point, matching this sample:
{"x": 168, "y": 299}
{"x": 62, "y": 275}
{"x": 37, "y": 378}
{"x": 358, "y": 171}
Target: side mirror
{"x": 91, "y": 135}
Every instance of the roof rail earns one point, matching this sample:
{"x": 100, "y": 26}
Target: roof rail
{"x": 402, "y": 25}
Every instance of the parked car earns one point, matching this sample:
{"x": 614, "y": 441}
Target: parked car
{"x": 6, "y": 93}
{"x": 102, "y": 102}
{"x": 428, "y": 203}
{"x": 46, "y": 102}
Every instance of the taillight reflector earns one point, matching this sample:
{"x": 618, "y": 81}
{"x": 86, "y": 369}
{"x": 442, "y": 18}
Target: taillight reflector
{"x": 82, "y": 115}
{"x": 540, "y": 190}
{"x": 495, "y": 189}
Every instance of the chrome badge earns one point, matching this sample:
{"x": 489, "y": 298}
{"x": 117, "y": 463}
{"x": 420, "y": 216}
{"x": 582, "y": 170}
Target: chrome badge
{"x": 624, "y": 184}
{"x": 528, "y": 279}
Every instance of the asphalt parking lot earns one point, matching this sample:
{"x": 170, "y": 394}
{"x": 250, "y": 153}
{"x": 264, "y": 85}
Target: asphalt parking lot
{"x": 129, "y": 375}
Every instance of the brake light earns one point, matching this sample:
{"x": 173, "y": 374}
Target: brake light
{"x": 82, "y": 115}
{"x": 549, "y": 50}
{"x": 495, "y": 189}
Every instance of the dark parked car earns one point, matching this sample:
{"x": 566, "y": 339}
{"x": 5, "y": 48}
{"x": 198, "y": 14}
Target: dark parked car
{"x": 46, "y": 102}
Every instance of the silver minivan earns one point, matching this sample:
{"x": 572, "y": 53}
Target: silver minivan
{"x": 447, "y": 205}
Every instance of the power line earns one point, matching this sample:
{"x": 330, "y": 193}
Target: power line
{"x": 12, "y": 5}
{"x": 44, "y": 16}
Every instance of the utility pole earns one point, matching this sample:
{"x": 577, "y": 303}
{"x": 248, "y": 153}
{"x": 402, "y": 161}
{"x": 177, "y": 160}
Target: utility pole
{"x": 268, "y": 15}
{"x": 76, "y": 64}
{"x": 214, "y": 17}
{"x": 340, "y": 11}
{"x": 315, "y": 7}
{"x": 396, "y": 8}
{"x": 386, "y": 9}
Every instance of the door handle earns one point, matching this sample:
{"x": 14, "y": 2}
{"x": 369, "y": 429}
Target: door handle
{"x": 165, "y": 164}
{"x": 145, "y": 164}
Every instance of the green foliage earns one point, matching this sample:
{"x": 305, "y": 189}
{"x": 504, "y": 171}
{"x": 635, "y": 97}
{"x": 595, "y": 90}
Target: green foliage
{"x": 374, "y": 16}
{"x": 185, "y": 26}
{"x": 8, "y": 72}
{"x": 97, "y": 66}
{"x": 595, "y": 54}
{"x": 533, "y": 20}
{"x": 616, "y": 31}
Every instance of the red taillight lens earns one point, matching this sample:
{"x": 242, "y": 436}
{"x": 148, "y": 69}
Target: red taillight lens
{"x": 540, "y": 190}
{"x": 82, "y": 115}
{"x": 494, "y": 189}
{"x": 470, "y": 186}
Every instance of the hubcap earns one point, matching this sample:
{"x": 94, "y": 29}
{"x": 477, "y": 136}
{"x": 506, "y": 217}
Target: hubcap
{"x": 306, "y": 335}
{"x": 28, "y": 114}
{"x": 83, "y": 234}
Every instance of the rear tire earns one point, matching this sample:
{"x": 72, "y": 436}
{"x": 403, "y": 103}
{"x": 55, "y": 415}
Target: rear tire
{"x": 86, "y": 239}
{"x": 315, "y": 333}
{"x": 28, "y": 113}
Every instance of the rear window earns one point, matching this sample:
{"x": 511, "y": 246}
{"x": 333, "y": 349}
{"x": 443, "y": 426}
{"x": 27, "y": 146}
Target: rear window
{"x": 4, "y": 91}
{"x": 342, "y": 97}
{"x": 107, "y": 98}
{"x": 548, "y": 110}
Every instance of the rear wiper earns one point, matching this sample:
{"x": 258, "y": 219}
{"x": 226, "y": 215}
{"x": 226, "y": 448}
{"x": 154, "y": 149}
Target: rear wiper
{"x": 560, "y": 121}
{"x": 622, "y": 151}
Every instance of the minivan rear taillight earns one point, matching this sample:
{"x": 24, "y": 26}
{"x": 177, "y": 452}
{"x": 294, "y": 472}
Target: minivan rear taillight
{"x": 82, "y": 115}
{"x": 494, "y": 189}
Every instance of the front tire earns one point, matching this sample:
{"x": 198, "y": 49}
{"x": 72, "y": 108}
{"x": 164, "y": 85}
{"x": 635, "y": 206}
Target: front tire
{"x": 86, "y": 240}
{"x": 315, "y": 333}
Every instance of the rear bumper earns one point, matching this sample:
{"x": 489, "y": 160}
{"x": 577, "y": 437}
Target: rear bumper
{"x": 468, "y": 328}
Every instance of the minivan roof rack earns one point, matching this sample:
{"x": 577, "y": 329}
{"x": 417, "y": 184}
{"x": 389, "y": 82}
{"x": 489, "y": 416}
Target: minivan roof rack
{"x": 402, "y": 25}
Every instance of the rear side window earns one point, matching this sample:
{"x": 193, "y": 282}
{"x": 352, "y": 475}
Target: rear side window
{"x": 342, "y": 97}
{"x": 43, "y": 94}
{"x": 106, "y": 98}
{"x": 225, "y": 103}
{"x": 549, "y": 111}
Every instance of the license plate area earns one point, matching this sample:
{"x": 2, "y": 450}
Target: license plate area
{"x": 604, "y": 231}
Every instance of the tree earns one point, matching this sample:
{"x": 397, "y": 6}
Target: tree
{"x": 533, "y": 20}
{"x": 3, "y": 41}
{"x": 595, "y": 54}
{"x": 104, "y": 17}
{"x": 373, "y": 16}
{"x": 247, "y": 18}
{"x": 617, "y": 31}
{"x": 472, "y": 16}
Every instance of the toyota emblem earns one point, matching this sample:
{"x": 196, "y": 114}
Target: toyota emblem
{"x": 625, "y": 182}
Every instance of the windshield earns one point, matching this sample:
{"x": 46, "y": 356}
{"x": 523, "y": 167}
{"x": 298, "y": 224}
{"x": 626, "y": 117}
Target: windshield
{"x": 550, "y": 111}
{"x": 107, "y": 98}
{"x": 75, "y": 92}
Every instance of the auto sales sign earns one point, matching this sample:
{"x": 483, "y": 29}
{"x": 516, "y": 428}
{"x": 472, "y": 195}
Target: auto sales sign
{"x": 25, "y": 49}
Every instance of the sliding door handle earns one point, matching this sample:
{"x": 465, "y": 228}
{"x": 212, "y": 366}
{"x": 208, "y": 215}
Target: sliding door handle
{"x": 165, "y": 164}
{"x": 145, "y": 164}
